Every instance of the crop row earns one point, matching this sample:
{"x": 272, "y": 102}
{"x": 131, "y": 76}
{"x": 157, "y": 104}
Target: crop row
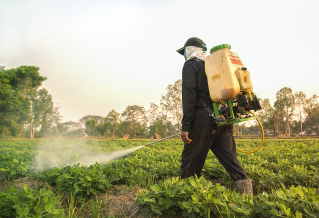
{"x": 199, "y": 198}
{"x": 278, "y": 162}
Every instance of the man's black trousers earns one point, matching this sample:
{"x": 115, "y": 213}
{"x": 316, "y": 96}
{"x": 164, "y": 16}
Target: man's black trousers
{"x": 205, "y": 136}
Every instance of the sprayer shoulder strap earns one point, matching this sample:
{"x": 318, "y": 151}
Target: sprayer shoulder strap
{"x": 207, "y": 108}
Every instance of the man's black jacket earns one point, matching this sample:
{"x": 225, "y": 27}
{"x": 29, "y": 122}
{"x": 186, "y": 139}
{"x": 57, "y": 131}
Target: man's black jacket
{"x": 194, "y": 90}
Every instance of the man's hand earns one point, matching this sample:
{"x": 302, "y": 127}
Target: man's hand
{"x": 185, "y": 139}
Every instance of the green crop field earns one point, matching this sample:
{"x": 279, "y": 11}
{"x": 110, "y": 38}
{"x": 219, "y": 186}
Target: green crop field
{"x": 285, "y": 175}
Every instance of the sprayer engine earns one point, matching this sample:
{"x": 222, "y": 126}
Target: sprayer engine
{"x": 245, "y": 102}
{"x": 238, "y": 109}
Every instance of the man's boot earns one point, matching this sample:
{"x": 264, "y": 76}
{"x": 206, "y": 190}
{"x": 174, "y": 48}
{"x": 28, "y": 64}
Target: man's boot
{"x": 244, "y": 186}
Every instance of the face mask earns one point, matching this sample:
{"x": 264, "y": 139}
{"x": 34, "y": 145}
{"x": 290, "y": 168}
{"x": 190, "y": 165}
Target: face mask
{"x": 194, "y": 52}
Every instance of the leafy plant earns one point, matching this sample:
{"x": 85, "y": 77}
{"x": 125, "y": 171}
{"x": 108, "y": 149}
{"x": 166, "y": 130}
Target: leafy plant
{"x": 30, "y": 203}
{"x": 292, "y": 163}
{"x": 199, "y": 198}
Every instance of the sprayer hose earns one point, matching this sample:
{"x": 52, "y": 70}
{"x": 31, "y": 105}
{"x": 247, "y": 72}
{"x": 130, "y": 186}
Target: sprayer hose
{"x": 262, "y": 141}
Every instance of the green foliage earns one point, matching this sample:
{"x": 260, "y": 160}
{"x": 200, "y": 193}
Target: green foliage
{"x": 160, "y": 127}
{"x": 156, "y": 127}
{"x": 43, "y": 113}
{"x": 267, "y": 115}
{"x": 90, "y": 127}
{"x": 268, "y": 168}
{"x": 96, "y": 207}
{"x": 112, "y": 122}
{"x": 80, "y": 180}
{"x": 171, "y": 105}
{"x": 30, "y": 203}
{"x": 285, "y": 105}
{"x": 280, "y": 117}
{"x": 61, "y": 128}
{"x": 290, "y": 162}
{"x": 312, "y": 110}
{"x": 135, "y": 117}
{"x": 14, "y": 103}
{"x": 126, "y": 127}
{"x": 199, "y": 198}
{"x": 110, "y": 125}
{"x": 15, "y": 157}
{"x": 102, "y": 129}
{"x": 26, "y": 77}
{"x": 21, "y": 103}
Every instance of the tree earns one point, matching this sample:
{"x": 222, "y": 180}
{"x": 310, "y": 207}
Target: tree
{"x": 156, "y": 127}
{"x": 15, "y": 86}
{"x": 90, "y": 127}
{"x": 171, "y": 104}
{"x": 113, "y": 120}
{"x": 43, "y": 113}
{"x": 102, "y": 129}
{"x": 177, "y": 106}
{"x": 137, "y": 117}
{"x": 155, "y": 121}
{"x": 166, "y": 107}
{"x": 126, "y": 128}
{"x": 285, "y": 104}
{"x": 161, "y": 127}
{"x": 267, "y": 116}
{"x": 312, "y": 110}
{"x": 73, "y": 128}
{"x": 14, "y": 108}
{"x": 98, "y": 118}
{"x": 62, "y": 128}
{"x": 301, "y": 101}
{"x": 153, "y": 113}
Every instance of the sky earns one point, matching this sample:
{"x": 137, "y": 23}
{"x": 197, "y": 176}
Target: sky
{"x": 104, "y": 55}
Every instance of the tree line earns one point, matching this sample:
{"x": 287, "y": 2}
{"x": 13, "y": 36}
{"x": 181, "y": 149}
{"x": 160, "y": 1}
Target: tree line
{"x": 27, "y": 110}
{"x": 291, "y": 113}
{"x": 162, "y": 119}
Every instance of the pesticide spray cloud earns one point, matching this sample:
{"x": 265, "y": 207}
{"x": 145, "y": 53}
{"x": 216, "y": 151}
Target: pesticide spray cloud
{"x": 61, "y": 153}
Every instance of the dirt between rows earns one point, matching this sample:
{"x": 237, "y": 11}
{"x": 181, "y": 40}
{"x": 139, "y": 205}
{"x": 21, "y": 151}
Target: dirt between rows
{"x": 120, "y": 203}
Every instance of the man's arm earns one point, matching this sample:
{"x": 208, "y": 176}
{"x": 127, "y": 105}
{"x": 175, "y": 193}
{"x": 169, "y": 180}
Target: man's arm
{"x": 189, "y": 94}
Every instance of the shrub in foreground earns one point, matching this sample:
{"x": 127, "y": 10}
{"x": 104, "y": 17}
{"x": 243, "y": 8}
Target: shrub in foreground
{"x": 199, "y": 198}
{"x": 30, "y": 203}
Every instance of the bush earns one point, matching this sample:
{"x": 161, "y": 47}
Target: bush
{"x": 29, "y": 203}
{"x": 199, "y": 198}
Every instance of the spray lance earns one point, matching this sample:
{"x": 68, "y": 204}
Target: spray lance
{"x": 162, "y": 139}
{"x": 231, "y": 90}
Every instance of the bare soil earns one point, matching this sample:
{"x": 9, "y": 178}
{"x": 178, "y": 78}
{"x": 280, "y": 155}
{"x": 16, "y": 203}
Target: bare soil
{"x": 19, "y": 183}
{"x": 119, "y": 201}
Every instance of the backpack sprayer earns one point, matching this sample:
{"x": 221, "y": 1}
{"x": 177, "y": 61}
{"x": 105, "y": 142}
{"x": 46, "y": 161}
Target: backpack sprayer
{"x": 231, "y": 89}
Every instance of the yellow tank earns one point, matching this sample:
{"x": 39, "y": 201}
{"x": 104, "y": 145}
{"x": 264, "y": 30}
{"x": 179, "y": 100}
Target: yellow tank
{"x": 244, "y": 80}
{"x": 226, "y": 74}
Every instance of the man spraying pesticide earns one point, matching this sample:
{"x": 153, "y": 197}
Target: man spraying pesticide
{"x": 216, "y": 93}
